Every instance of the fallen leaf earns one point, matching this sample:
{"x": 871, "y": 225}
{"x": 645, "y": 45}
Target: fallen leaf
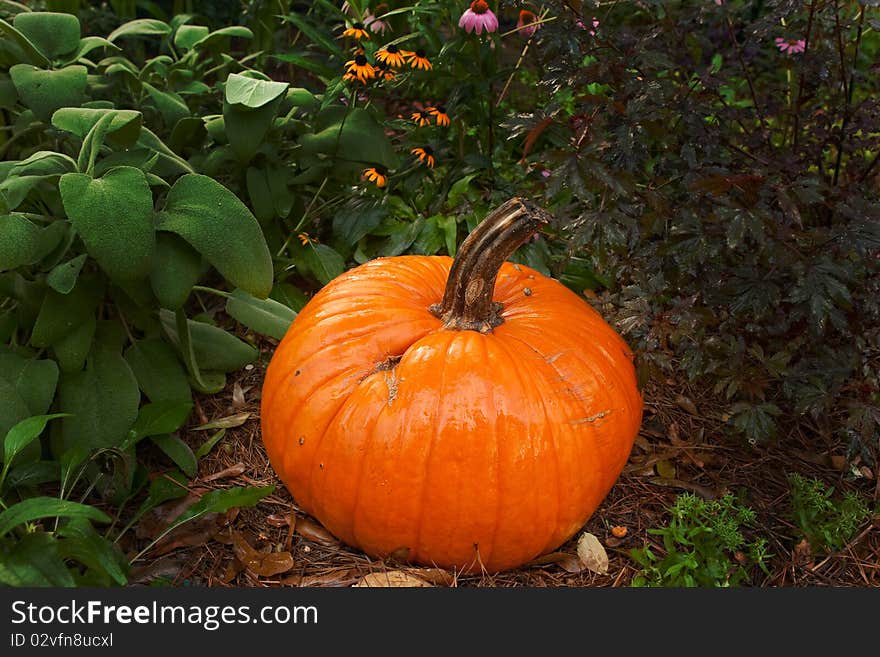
{"x": 568, "y": 562}
{"x": 225, "y": 422}
{"x": 343, "y": 577}
{"x": 277, "y": 520}
{"x": 237, "y": 396}
{"x": 231, "y": 471}
{"x": 435, "y": 576}
{"x": 674, "y": 435}
{"x": 665, "y": 469}
{"x": 838, "y": 462}
{"x": 592, "y": 554}
{"x": 391, "y": 578}
{"x": 157, "y": 520}
{"x": 312, "y": 531}
{"x": 262, "y": 564}
{"x": 196, "y": 532}
{"x": 686, "y": 405}
{"x": 703, "y": 491}
{"x": 167, "y": 567}
{"x": 803, "y": 554}
{"x": 619, "y": 531}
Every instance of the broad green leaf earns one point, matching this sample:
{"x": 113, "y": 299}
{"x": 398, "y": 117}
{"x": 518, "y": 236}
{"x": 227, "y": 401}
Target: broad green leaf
{"x": 246, "y": 128}
{"x": 158, "y": 371}
{"x": 36, "y": 508}
{"x": 33, "y": 560}
{"x": 124, "y": 129}
{"x": 19, "y": 242}
{"x": 188, "y": 132}
{"x": 102, "y": 400}
{"x": 20, "y": 47}
{"x": 170, "y": 105}
{"x": 60, "y": 314}
{"x": 169, "y": 163}
{"x": 282, "y": 197}
{"x": 219, "y": 226}
{"x": 449, "y": 226}
{"x": 251, "y": 92}
{"x": 265, "y": 316}
{"x": 318, "y": 68}
{"x": 87, "y": 45}
{"x": 176, "y": 268}
{"x": 188, "y": 35}
{"x": 352, "y": 134}
{"x": 140, "y": 27}
{"x": 290, "y": 295}
{"x": 80, "y": 542}
{"x": 179, "y": 452}
{"x": 13, "y": 409}
{"x": 44, "y": 163}
{"x": 63, "y": 277}
{"x": 34, "y": 381}
{"x": 44, "y": 91}
{"x": 71, "y": 350}
{"x": 218, "y": 37}
{"x": 91, "y": 146}
{"x": 322, "y": 261}
{"x": 32, "y": 474}
{"x": 353, "y": 223}
{"x": 15, "y": 189}
{"x": 113, "y": 215}
{"x": 210, "y": 382}
{"x": 24, "y": 433}
{"x": 213, "y": 348}
{"x": 302, "y": 98}
{"x": 259, "y": 193}
{"x": 162, "y": 417}
{"x": 53, "y": 34}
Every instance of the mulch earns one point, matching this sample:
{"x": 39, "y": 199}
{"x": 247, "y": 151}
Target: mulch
{"x": 684, "y": 446}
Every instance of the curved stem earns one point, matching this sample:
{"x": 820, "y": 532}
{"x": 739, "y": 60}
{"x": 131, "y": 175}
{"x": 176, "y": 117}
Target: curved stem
{"x": 467, "y": 303}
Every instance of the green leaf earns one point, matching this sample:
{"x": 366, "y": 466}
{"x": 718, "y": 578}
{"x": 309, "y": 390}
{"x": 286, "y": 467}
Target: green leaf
{"x": 159, "y": 418}
{"x": 251, "y": 92}
{"x": 140, "y": 27}
{"x": 176, "y": 268}
{"x": 212, "y": 347}
{"x": 179, "y": 452}
{"x": 302, "y": 98}
{"x": 187, "y": 36}
{"x": 34, "y": 380}
{"x": 260, "y": 194}
{"x": 219, "y": 37}
{"x": 290, "y": 295}
{"x": 171, "y": 106}
{"x": 13, "y": 409}
{"x": 52, "y": 34}
{"x": 218, "y": 225}
{"x": 323, "y": 262}
{"x": 87, "y": 45}
{"x": 220, "y": 501}
{"x": 19, "y": 242}
{"x": 171, "y": 486}
{"x": 210, "y": 382}
{"x": 102, "y": 400}
{"x": 33, "y": 560}
{"x": 353, "y": 135}
{"x": 24, "y": 433}
{"x": 265, "y": 316}
{"x": 44, "y": 91}
{"x": 246, "y": 128}
{"x": 60, "y": 314}
{"x": 35, "y": 508}
{"x": 316, "y": 35}
{"x": 206, "y": 447}
{"x": 71, "y": 350}
{"x": 32, "y": 474}
{"x": 318, "y": 68}
{"x": 113, "y": 215}
{"x": 83, "y": 544}
{"x": 91, "y": 146}
{"x": 20, "y": 47}
{"x": 124, "y": 128}
{"x": 169, "y": 163}
{"x": 352, "y": 223}
{"x": 63, "y": 277}
{"x": 158, "y": 371}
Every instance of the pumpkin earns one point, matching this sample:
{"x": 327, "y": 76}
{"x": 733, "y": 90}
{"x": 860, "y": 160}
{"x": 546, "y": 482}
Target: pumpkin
{"x": 467, "y": 413}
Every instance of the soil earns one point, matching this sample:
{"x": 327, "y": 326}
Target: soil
{"x": 684, "y": 445}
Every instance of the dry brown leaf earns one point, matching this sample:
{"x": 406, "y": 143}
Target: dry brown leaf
{"x": 277, "y": 520}
{"x": 309, "y": 529}
{"x": 195, "y": 532}
{"x": 674, "y": 435}
{"x": 665, "y": 469}
{"x": 237, "y": 396}
{"x": 592, "y": 554}
{"x": 157, "y": 520}
{"x": 391, "y": 578}
{"x": 231, "y": 471}
{"x": 686, "y": 404}
{"x": 262, "y": 564}
{"x": 166, "y": 567}
{"x": 435, "y": 576}
{"x": 568, "y": 562}
{"x": 703, "y": 491}
{"x": 341, "y": 577}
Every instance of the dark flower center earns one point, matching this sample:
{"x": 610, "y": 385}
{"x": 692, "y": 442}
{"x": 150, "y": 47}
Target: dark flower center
{"x": 360, "y": 60}
{"x": 441, "y": 109}
{"x": 428, "y": 150}
{"x": 479, "y": 7}
{"x": 358, "y": 26}
{"x": 392, "y": 49}
{"x": 420, "y": 53}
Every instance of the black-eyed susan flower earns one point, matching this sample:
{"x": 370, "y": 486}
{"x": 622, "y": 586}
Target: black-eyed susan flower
{"x": 357, "y": 31}
{"x": 419, "y": 59}
{"x": 439, "y": 114}
{"x": 421, "y": 117}
{"x": 376, "y": 175}
{"x": 425, "y": 155}
{"x": 359, "y": 68}
{"x": 305, "y": 239}
{"x": 391, "y": 55}
{"x": 384, "y": 72}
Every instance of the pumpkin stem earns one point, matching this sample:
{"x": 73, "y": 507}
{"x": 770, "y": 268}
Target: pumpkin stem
{"x": 467, "y": 303}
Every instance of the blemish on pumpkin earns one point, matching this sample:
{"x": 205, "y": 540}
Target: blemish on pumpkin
{"x": 554, "y": 357}
{"x": 591, "y": 418}
{"x": 321, "y": 465}
{"x": 302, "y": 440}
{"x": 297, "y": 373}
{"x": 527, "y": 291}
{"x": 517, "y": 267}
{"x": 391, "y": 381}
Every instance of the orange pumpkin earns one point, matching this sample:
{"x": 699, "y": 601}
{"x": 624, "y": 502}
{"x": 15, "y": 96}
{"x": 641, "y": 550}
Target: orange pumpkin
{"x": 469, "y": 413}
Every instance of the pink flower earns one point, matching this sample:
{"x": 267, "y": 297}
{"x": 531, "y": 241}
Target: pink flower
{"x": 594, "y": 22}
{"x": 478, "y": 17}
{"x": 719, "y": 2}
{"x": 376, "y": 26}
{"x": 525, "y": 23}
{"x": 545, "y": 173}
{"x": 790, "y": 46}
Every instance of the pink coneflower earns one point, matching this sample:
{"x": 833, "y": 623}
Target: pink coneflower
{"x": 376, "y": 25}
{"x": 790, "y": 46}
{"x": 526, "y": 25}
{"x": 478, "y": 17}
